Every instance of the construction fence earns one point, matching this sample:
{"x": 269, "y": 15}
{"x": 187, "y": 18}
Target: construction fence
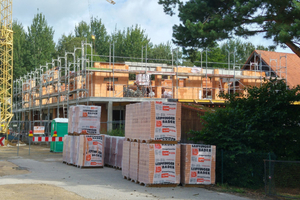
{"x": 22, "y": 128}
{"x": 282, "y": 178}
{"x": 241, "y": 169}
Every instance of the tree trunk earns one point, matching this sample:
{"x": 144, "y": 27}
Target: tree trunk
{"x": 293, "y": 47}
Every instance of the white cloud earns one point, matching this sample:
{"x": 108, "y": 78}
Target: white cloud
{"x": 62, "y": 15}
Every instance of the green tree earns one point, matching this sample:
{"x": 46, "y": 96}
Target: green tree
{"x": 19, "y": 49}
{"x": 67, "y": 43}
{"x": 262, "y": 121}
{"x": 40, "y": 46}
{"x": 242, "y": 50}
{"x": 204, "y": 22}
{"x": 135, "y": 39}
{"x": 161, "y": 53}
{"x": 215, "y": 58}
{"x": 83, "y": 30}
{"x": 129, "y": 43}
{"x": 101, "y": 42}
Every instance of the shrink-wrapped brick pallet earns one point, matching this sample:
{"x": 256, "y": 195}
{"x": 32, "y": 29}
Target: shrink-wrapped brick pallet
{"x": 68, "y": 149}
{"x": 107, "y": 150}
{"x": 113, "y": 151}
{"x": 119, "y": 153}
{"x": 84, "y": 150}
{"x": 71, "y": 142}
{"x": 198, "y": 164}
{"x": 159, "y": 164}
{"x": 91, "y": 151}
{"x": 75, "y": 148}
{"x": 84, "y": 120}
{"x": 153, "y": 121}
{"x": 126, "y": 159}
{"x": 134, "y": 161}
{"x": 66, "y": 152}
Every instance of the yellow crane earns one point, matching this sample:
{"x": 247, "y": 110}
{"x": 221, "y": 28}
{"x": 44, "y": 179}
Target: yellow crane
{"x": 111, "y": 1}
{"x": 6, "y": 64}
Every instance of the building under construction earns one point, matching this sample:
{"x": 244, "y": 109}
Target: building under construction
{"x": 48, "y": 92}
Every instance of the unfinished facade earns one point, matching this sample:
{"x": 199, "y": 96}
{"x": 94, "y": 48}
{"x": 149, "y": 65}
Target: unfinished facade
{"x": 48, "y": 92}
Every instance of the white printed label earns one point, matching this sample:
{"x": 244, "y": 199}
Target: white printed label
{"x": 201, "y": 157}
{"x": 94, "y": 155}
{"x": 165, "y": 121}
{"x": 165, "y": 156}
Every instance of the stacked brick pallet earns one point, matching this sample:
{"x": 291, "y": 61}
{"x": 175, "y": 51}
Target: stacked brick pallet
{"x": 84, "y": 150}
{"x": 84, "y": 120}
{"x": 113, "y": 151}
{"x": 151, "y": 153}
{"x": 198, "y": 164}
{"x": 153, "y": 122}
{"x": 84, "y": 146}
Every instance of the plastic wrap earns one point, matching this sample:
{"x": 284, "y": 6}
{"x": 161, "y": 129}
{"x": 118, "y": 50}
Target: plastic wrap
{"x": 91, "y": 151}
{"x": 107, "y": 149}
{"x": 84, "y": 120}
{"x": 119, "y": 150}
{"x": 134, "y": 161}
{"x": 126, "y": 159}
{"x": 159, "y": 164}
{"x": 153, "y": 121}
{"x": 198, "y": 164}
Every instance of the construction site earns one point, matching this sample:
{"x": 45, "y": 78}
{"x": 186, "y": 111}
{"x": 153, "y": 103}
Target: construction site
{"x": 82, "y": 128}
{"x": 48, "y": 92}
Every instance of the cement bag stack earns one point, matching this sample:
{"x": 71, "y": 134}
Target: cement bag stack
{"x": 85, "y": 145}
{"x": 151, "y": 153}
{"x": 198, "y": 164}
{"x": 113, "y": 151}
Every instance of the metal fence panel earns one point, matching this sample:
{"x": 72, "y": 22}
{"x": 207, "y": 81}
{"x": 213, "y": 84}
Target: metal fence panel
{"x": 282, "y": 178}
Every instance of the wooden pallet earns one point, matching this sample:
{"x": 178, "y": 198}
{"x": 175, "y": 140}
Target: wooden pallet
{"x": 158, "y": 142}
{"x": 68, "y": 163}
{"x": 159, "y": 185}
{"x": 89, "y": 167}
{"x": 195, "y": 185}
{"x": 111, "y": 166}
{"x": 135, "y": 181}
{"x": 127, "y": 178}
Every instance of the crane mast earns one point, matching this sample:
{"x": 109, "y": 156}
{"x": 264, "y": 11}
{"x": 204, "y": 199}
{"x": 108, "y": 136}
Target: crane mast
{"x": 6, "y": 64}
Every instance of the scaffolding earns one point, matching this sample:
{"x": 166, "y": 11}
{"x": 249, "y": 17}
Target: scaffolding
{"x": 48, "y": 91}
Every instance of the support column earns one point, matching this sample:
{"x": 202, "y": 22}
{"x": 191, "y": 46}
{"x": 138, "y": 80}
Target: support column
{"x": 215, "y": 86}
{"x": 158, "y": 84}
{"x": 109, "y": 115}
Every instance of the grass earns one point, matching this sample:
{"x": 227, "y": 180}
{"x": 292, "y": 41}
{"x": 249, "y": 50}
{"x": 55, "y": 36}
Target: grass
{"x": 229, "y": 189}
{"x": 116, "y": 132}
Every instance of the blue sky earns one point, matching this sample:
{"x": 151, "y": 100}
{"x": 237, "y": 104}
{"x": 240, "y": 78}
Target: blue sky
{"x": 63, "y": 15}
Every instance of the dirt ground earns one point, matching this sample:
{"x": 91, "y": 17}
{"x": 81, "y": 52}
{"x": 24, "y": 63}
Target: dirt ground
{"x": 8, "y": 168}
{"x": 36, "y": 192}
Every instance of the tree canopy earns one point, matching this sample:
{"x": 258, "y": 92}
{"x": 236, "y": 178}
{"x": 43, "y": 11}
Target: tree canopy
{"x": 19, "y": 49}
{"x": 204, "y": 22}
{"x": 263, "y": 121}
{"x": 40, "y": 46}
